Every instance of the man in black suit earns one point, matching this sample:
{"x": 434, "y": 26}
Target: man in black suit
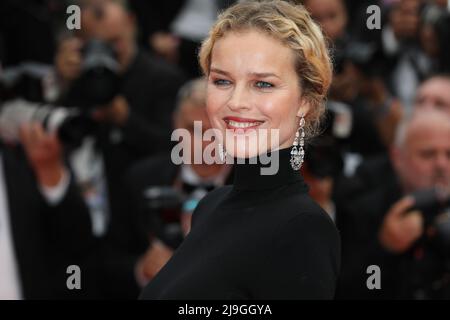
{"x": 136, "y": 123}
{"x": 44, "y": 224}
{"x": 380, "y": 224}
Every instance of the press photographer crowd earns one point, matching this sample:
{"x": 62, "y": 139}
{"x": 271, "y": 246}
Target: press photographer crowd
{"x": 86, "y": 117}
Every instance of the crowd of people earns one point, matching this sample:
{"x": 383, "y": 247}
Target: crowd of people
{"x": 86, "y": 117}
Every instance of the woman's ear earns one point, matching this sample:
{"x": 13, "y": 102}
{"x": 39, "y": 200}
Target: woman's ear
{"x": 304, "y": 107}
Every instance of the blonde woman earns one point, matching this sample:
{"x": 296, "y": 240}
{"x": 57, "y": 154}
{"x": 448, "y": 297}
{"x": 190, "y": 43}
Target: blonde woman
{"x": 263, "y": 237}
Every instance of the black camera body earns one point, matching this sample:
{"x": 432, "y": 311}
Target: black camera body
{"x": 163, "y": 206}
{"x": 100, "y": 80}
{"x": 431, "y": 202}
{"x": 434, "y": 203}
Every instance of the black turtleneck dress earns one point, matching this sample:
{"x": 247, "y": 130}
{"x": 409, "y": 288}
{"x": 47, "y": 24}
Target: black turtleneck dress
{"x": 261, "y": 238}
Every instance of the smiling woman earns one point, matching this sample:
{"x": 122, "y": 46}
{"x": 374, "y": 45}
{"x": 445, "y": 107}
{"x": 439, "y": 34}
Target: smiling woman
{"x": 252, "y": 86}
{"x": 269, "y": 62}
{"x": 263, "y": 237}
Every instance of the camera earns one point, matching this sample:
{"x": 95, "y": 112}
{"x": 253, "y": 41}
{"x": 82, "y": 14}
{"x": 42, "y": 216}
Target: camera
{"x": 434, "y": 203}
{"x": 22, "y": 93}
{"x": 99, "y": 81}
{"x": 165, "y": 207}
{"x": 431, "y": 201}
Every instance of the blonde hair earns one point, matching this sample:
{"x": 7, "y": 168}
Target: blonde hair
{"x": 293, "y": 26}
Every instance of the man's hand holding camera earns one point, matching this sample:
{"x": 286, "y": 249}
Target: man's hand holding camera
{"x": 400, "y": 228}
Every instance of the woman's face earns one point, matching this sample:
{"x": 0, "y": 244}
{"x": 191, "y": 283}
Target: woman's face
{"x": 252, "y": 89}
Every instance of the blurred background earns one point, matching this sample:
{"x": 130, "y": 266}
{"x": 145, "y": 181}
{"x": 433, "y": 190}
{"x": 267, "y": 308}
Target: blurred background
{"x": 86, "y": 116}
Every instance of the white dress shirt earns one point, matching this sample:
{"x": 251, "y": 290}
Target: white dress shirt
{"x": 10, "y": 287}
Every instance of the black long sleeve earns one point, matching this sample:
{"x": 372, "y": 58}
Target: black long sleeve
{"x": 262, "y": 238}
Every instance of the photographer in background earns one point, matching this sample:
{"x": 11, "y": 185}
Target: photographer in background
{"x": 44, "y": 223}
{"x": 401, "y": 224}
{"x": 144, "y": 101}
{"x": 123, "y": 101}
{"x": 135, "y": 123}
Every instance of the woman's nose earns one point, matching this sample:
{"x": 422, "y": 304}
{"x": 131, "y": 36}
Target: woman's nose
{"x": 239, "y": 98}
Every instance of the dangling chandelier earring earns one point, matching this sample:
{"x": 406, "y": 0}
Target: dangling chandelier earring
{"x": 298, "y": 153}
{"x": 222, "y": 152}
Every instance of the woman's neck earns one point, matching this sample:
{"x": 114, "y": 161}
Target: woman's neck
{"x": 265, "y": 171}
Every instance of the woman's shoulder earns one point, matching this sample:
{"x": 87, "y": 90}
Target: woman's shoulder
{"x": 312, "y": 231}
{"x": 305, "y": 218}
{"x": 301, "y": 206}
{"x": 208, "y": 203}
{"x": 304, "y": 254}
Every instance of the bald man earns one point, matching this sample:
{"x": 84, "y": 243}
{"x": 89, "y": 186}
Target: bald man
{"x": 381, "y": 226}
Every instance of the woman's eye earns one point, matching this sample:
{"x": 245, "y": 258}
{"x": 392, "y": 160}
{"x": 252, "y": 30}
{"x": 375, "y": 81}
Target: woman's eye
{"x": 263, "y": 84}
{"x": 221, "y": 82}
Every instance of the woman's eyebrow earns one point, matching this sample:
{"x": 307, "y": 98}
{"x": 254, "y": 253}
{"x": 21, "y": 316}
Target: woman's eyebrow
{"x": 216, "y": 70}
{"x": 263, "y": 74}
{"x": 253, "y": 74}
